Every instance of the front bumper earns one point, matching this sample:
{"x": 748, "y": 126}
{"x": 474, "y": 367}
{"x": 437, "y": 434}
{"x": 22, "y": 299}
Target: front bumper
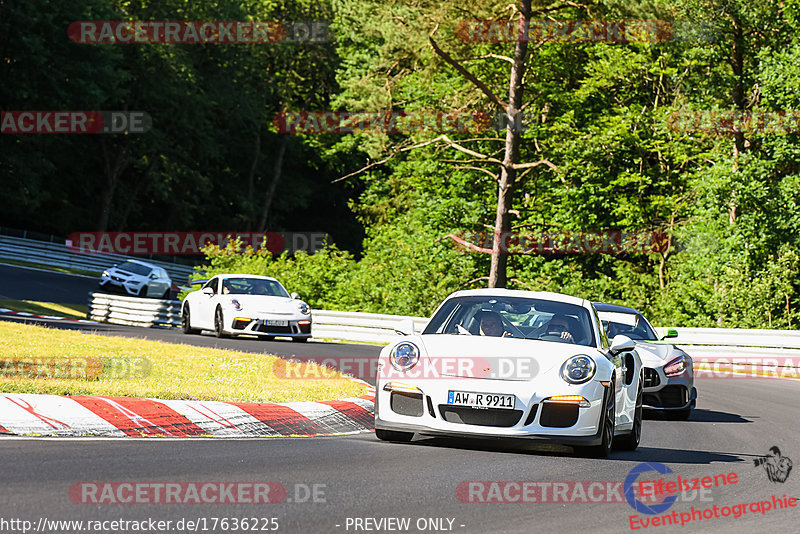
{"x": 533, "y": 417}
{"x": 668, "y": 393}
{"x": 132, "y": 288}
{"x": 258, "y": 326}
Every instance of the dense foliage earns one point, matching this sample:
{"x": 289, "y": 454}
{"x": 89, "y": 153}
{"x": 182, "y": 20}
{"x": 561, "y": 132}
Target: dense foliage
{"x": 597, "y": 111}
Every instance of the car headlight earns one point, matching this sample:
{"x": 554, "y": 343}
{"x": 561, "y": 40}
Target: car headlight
{"x": 578, "y": 369}
{"x": 236, "y": 305}
{"x": 303, "y": 307}
{"x": 105, "y": 273}
{"x": 676, "y": 366}
{"x": 404, "y": 356}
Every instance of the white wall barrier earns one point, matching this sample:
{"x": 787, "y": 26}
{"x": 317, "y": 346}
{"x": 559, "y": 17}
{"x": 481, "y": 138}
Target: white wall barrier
{"x": 703, "y": 344}
{"x": 133, "y": 311}
{"x": 358, "y": 326}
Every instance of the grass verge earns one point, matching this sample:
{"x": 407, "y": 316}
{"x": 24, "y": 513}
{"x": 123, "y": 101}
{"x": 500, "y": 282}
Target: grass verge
{"x": 73, "y": 311}
{"x": 36, "y": 359}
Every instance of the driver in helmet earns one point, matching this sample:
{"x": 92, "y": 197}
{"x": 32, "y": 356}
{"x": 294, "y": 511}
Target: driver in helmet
{"x": 559, "y": 326}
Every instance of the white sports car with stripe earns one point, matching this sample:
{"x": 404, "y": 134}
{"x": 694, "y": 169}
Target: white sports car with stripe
{"x": 497, "y": 363}
{"x": 236, "y": 304}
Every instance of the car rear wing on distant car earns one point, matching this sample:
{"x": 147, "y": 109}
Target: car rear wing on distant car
{"x": 195, "y": 282}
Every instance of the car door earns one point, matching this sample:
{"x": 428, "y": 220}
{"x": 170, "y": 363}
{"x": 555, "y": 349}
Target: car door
{"x": 206, "y": 305}
{"x": 164, "y": 280}
{"x": 619, "y": 364}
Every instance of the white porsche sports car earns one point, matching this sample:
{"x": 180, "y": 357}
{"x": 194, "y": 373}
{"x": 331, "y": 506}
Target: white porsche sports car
{"x": 499, "y": 363}
{"x": 235, "y": 304}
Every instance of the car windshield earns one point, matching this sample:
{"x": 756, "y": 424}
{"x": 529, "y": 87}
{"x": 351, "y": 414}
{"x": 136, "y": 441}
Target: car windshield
{"x": 135, "y": 268}
{"x": 633, "y": 325}
{"x": 516, "y": 317}
{"x": 253, "y": 286}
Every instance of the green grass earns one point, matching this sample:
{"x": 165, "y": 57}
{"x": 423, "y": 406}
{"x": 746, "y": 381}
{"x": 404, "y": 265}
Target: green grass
{"x": 69, "y": 270}
{"x": 36, "y": 359}
{"x": 73, "y": 311}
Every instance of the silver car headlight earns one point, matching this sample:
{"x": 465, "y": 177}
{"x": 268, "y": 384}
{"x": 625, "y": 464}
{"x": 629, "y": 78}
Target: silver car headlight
{"x": 676, "y": 366}
{"x": 404, "y": 356}
{"x": 578, "y": 369}
{"x": 105, "y": 273}
{"x": 236, "y": 305}
{"x": 303, "y": 307}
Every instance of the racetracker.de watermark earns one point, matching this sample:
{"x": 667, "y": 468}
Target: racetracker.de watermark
{"x": 396, "y": 122}
{"x": 728, "y": 121}
{"x": 197, "y": 32}
{"x": 580, "y": 31}
{"x": 75, "y": 368}
{"x": 190, "y": 243}
{"x": 74, "y": 122}
{"x": 746, "y": 367}
{"x": 427, "y": 368}
{"x": 559, "y": 491}
{"x": 565, "y": 242}
{"x": 207, "y": 492}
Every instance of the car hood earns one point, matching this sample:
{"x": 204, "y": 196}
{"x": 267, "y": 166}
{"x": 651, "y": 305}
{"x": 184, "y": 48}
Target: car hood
{"x": 656, "y": 354}
{"x": 495, "y": 357}
{"x": 264, "y": 303}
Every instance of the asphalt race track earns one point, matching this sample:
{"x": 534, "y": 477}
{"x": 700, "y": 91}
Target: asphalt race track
{"x": 737, "y": 421}
{"x": 22, "y": 283}
{"x": 362, "y": 484}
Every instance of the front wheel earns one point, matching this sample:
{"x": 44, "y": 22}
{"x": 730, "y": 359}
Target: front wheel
{"x": 299, "y": 339}
{"x": 219, "y": 324}
{"x": 186, "y": 324}
{"x": 631, "y": 441}
{"x": 393, "y": 435}
{"x": 608, "y": 420}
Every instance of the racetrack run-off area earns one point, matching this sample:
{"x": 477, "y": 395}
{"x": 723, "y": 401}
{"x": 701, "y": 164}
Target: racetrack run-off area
{"x": 87, "y": 415}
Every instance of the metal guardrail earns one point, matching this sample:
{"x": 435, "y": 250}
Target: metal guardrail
{"x": 359, "y": 326}
{"x": 709, "y": 344}
{"x": 58, "y": 255}
{"x": 344, "y": 326}
{"x": 133, "y": 311}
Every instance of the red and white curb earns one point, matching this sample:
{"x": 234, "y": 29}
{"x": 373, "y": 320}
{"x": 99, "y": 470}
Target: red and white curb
{"x": 28, "y": 414}
{"x": 6, "y": 311}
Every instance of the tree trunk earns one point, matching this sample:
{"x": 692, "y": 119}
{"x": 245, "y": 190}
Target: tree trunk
{"x": 112, "y": 173}
{"x": 508, "y": 174}
{"x": 737, "y": 65}
{"x": 251, "y": 180}
{"x": 277, "y": 171}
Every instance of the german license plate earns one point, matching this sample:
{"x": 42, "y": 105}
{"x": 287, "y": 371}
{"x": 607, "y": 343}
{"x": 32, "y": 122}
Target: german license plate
{"x": 481, "y": 400}
{"x": 277, "y": 322}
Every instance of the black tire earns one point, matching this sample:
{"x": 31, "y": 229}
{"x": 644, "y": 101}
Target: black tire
{"x": 165, "y": 296}
{"x": 219, "y": 322}
{"x": 607, "y": 431}
{"x": 299, "y": 339}
{"x": 186, "y": 325}
{"x": 393, "y": 435}
{"x": 142, "y": 292}
{"x": 631, "y": 441}
{"x": 267, "y": 338}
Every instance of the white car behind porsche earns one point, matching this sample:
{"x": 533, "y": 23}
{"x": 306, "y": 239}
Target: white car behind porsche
{"x": 236, "y": 304}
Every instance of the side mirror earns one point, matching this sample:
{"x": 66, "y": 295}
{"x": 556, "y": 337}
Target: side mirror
{"x": 671, "y": 332}
{"x": 405, "y": 328}
{"x": 621, "y": 343}
{"x": 153, "y": 276}
{"x": 208, "y": 291}
{"x": 295, "y": 295}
